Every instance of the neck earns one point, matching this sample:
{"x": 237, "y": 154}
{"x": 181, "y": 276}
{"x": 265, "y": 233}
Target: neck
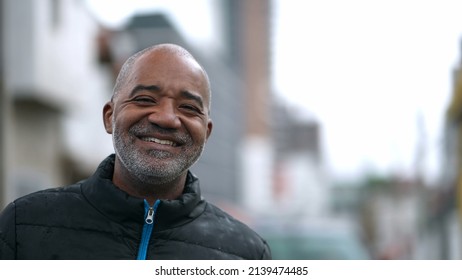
{"x": 151, "y": 191}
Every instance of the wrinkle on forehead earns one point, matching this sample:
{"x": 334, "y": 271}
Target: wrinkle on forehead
{"x": 175, "y": 51}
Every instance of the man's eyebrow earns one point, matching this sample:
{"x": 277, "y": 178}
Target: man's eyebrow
{"x": 151, "y": 88}
{"x": 192, "y": 96}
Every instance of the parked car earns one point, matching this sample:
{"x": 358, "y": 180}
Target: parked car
{"x": 317, "y": 241}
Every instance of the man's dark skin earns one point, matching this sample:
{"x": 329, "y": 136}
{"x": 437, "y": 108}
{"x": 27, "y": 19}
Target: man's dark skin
{"x": 159, "y": 119}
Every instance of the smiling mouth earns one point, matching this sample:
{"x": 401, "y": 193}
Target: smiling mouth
{"x": 159, "y": 141}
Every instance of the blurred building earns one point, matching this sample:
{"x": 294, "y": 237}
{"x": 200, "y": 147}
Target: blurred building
{"x": 414, "y": 219}
{"x": 3, "y": 113}
{"x": 392, "y": 216}
{"x": 448, "y": 200}
{"x": 300, "y": 186}
{"x": 249, "y": 28}
{"x": 53, "y": 78}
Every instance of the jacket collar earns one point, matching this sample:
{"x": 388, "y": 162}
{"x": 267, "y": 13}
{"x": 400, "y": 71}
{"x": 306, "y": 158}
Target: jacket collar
{"x": 122, "y": 208}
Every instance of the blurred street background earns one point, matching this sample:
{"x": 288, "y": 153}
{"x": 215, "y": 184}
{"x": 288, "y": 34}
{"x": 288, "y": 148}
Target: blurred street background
{"x": 337, "y": 125}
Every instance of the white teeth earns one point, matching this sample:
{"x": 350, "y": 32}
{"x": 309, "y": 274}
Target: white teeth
{"x": 158, "y": 141}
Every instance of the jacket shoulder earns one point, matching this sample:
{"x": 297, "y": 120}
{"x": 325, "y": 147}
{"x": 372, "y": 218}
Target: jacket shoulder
{"x": 8, "y": 232}
{"x": 42, "y": 205}
{"x": 31, "y": 209}
{"x": 50, "y": 193}
{"x": 216, "y": 234}
{"x": 251, "y": 243}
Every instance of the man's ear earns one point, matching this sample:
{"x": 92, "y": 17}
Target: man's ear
{"x": 108, "y": 110}
{"x": 209, "y": 128}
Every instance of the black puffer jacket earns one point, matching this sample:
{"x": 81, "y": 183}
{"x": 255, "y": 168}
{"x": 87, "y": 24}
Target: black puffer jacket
{"x": 94, "y": 219}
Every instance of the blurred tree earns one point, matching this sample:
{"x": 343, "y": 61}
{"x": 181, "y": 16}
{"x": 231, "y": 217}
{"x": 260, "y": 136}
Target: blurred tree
{"x": 376, "y": 181}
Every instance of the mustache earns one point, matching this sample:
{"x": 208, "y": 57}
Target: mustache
{"x": 150, "y": 129}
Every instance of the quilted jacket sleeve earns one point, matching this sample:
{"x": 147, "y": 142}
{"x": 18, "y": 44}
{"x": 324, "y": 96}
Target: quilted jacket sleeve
{"x": 8, "y": 233}
{"x": 266, "y": 253}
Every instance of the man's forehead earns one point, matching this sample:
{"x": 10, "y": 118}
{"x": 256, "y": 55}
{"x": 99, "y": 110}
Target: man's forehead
{"x": 164, "y": 58}
{"x": 171, "y": 57}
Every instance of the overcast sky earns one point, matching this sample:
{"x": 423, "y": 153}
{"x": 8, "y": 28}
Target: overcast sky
{"x": 377, "y": 75}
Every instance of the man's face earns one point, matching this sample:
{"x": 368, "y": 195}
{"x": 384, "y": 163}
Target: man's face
{"x": 160, "y": 118}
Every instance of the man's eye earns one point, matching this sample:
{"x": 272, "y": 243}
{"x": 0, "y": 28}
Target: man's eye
{"x": 144, "y": 100}
{"x": 191, "y": 108}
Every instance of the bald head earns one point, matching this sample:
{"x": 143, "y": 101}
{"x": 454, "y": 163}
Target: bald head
{"x": 168, "y": 49}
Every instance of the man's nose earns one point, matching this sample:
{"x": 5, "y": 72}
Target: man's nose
{"x": 165, "y": 115}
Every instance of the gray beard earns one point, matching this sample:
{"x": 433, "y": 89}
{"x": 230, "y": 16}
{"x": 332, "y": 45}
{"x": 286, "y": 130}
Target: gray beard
{"x": 140, "y": 164}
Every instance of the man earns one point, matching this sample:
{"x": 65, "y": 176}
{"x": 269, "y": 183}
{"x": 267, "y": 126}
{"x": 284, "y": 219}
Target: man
{"x": 142, "y": 202}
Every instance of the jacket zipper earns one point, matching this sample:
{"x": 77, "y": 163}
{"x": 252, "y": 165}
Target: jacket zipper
{"x": 150, "y": 212}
